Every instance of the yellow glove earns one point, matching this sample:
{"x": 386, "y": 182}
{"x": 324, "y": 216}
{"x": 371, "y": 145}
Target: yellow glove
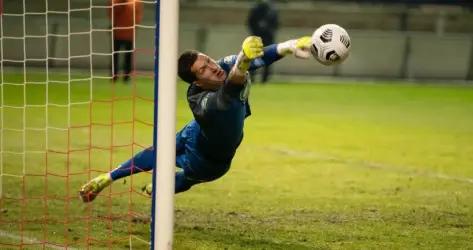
{"x": 302, "y": 47}
{"x": 252, "y": 47}
{"x": 299, "y": 47}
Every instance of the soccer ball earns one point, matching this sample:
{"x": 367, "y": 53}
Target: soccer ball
{"x": 330, "y": 44}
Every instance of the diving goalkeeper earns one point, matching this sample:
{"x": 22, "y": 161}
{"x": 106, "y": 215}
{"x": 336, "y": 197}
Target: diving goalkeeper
{"x": 218, "y": 97}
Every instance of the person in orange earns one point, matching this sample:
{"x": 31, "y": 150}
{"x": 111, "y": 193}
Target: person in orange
{"x": 124, "y": 15}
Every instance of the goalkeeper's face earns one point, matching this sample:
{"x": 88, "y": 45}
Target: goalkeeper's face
{"x": 208, "y": 73}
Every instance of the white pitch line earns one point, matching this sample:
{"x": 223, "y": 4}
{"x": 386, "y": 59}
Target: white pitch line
{"x": 29, "y": 240}
{"x": 372, "y": 165}
{"x": 139, "y": 239}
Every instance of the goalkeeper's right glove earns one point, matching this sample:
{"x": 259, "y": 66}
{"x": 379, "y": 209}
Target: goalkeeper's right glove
{"x": 299, "y": 47}
{"x": 252, "y": 48}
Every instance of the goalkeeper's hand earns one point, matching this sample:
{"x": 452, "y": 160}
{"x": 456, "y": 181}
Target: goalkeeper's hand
{"x": 252, "y": 48}
{"x": 299, "y": 47}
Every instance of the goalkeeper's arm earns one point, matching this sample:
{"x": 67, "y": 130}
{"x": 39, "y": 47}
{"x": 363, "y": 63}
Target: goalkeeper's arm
{"x": 299, "y": 47}
{"x": 252, "y": 48}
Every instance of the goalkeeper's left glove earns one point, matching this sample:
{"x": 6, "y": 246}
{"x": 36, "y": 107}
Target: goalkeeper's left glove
{"x": 299, "y": 47}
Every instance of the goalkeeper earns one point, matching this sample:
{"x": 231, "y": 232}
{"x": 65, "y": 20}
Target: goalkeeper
{"x": 218, "y": 96}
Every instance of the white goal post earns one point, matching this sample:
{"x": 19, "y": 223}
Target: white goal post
{"x": 163, "y": 179}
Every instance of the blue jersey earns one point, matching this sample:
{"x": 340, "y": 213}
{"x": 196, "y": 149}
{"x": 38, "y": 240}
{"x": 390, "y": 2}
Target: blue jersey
{"x": 220, "y": 113}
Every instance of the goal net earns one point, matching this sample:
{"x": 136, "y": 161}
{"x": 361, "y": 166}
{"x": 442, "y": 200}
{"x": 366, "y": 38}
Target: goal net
{"x": 66, "y": 115}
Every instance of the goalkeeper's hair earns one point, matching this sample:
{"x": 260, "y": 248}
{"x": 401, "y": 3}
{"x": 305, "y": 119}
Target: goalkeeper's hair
{"x": 185, "y": 62}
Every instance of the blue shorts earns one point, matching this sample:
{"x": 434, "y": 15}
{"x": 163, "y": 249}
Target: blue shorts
{"x": 188, "y": 157}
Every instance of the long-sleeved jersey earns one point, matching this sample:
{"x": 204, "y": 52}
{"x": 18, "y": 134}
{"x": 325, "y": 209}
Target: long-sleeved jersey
{"x": 205, "y": 146}
{"x": 220, "y": 114}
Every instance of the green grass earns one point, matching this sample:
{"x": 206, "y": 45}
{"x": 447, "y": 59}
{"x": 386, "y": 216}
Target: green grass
{"x": 322, "y": 166}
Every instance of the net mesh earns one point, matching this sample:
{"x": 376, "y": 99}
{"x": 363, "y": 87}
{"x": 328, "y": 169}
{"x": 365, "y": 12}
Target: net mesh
{"x": 64, "y": 121}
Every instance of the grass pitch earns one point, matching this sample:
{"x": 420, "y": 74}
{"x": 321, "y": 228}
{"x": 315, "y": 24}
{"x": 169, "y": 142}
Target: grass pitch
{"x": 322, "y": 166}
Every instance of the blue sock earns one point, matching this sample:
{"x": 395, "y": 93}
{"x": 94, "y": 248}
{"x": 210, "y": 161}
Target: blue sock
{"x": 143, "y": 161}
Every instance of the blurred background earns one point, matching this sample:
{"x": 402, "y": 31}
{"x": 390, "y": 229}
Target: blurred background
{"x": 416, "y": 39}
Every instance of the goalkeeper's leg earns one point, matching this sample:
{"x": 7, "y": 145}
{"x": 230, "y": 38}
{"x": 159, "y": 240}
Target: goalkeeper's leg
{"x": 195, "y": 170}
{"x": 182, "y": 183}
{"x": 143, "y": 161}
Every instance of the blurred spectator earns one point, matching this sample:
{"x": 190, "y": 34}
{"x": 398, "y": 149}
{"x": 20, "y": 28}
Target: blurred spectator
{"x": 263, "y": 22}
{"x": 126, "y": 14}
